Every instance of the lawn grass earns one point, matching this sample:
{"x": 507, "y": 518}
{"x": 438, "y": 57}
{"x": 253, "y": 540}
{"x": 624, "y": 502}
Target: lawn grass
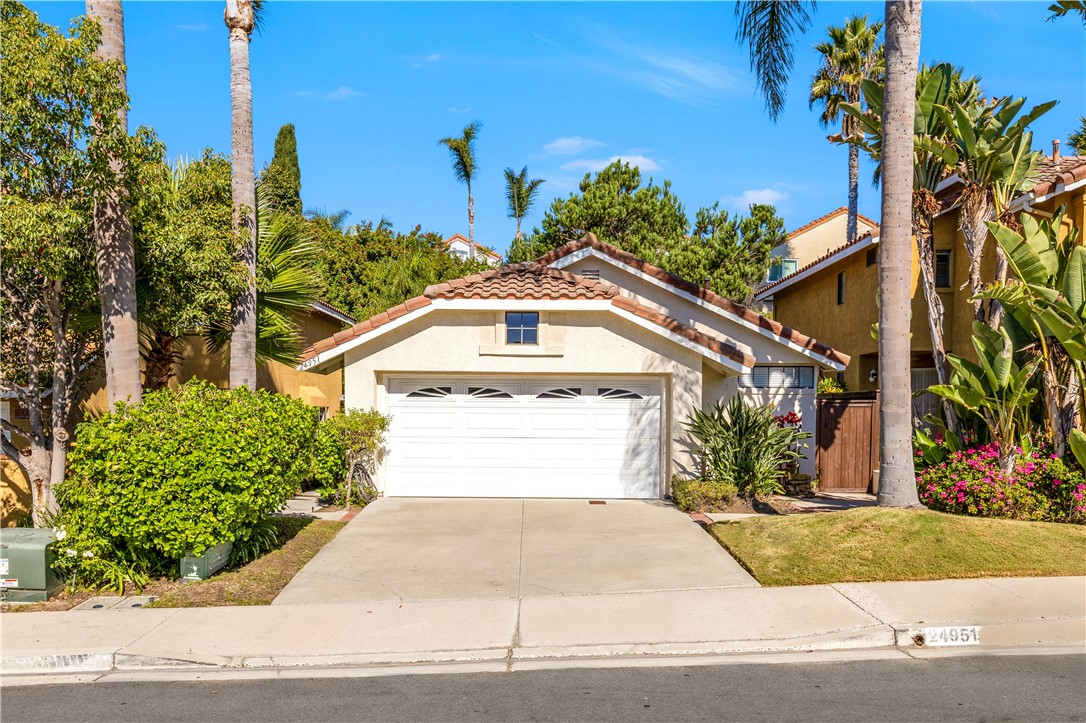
{"x": 262, "y": 579}
{"x": 871, "y": 544}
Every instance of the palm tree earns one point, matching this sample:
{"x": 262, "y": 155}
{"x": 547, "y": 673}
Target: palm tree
{"x": 241, "y": 19}
{"x": 769, "y": 29}
{"x": 520, "y": 194}
{"x": 994, "y": 157}
{"x": 115, "y": 253}
{"x": 852, "y": 54}
{"x": 462, "y": 152}
{"x": 287, "y": 283}
{"x": 936, "y": 86}
{"x": 897, "y": 474}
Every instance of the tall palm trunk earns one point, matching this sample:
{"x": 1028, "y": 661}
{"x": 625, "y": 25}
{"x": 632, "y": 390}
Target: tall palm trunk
{"x": 853, "y": 189}
{"x": 976, "y": 210}
{"x": 924, "y": 207}
{"x": 240, "y": 22}
{"x": 115, "y": 255}
{"x": 471, "y": 224}
{"x": 897, "y": 480}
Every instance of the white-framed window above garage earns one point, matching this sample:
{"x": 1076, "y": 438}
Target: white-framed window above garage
{"x": 778, "y": 377}
{"x": 522, "y": 327}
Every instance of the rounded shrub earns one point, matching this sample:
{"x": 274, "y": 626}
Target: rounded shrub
{"x": 186, "y": 470}
{"x": 702, "y": 495}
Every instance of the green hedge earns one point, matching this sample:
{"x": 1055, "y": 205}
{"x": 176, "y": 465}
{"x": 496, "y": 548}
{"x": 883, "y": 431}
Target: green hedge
{"x": 702, "y": 495}
{"x": 186, "y": 470}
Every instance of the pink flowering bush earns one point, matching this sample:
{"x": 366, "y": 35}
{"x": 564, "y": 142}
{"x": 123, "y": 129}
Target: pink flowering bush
{"x": 969, "y": 482}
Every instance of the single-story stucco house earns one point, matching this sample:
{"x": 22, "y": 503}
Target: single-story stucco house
{"x": 568, "y": 376}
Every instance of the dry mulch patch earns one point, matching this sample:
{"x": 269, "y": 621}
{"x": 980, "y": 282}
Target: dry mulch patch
{"x": 256, "y": 583}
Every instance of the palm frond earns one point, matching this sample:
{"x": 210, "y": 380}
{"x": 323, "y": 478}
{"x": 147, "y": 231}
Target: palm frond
{"x": 770, "y": 28}
{"x": 462, "y": 152}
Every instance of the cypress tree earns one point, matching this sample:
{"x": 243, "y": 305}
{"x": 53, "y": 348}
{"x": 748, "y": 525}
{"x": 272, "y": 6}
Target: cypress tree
{"x": 281, "y": 180}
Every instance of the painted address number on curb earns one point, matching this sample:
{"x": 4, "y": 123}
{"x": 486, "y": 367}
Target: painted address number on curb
{"x": 960, "y": 635}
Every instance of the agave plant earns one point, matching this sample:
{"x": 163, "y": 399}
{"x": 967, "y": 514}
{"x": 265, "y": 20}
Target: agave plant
{"x": 744, "y": 445}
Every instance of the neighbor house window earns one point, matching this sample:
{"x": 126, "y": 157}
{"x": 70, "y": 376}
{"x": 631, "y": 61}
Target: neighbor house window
{"x": 774, "y": 377}
{"x": 522, "y": 327}
{"x": 782, "y": 267}
{"x": 841, "y": 287}
{"x": 942, "y": 269}
{"x": 872, "y": 256}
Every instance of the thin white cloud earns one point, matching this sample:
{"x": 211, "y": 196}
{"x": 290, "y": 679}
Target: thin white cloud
{"x": 595, "y": 165}
{"x": 767, "y": 196}
{"x": 198, "y": 28}
{"x": 431, "y": 58}
{"x": 341, "y": 93}
{"x": 682, "y": 77}
{"x": 458, "y": 109}
{"x": 570, "y": 146}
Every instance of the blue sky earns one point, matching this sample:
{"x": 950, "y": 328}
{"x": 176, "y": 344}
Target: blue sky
{"x": 559, "y": 87}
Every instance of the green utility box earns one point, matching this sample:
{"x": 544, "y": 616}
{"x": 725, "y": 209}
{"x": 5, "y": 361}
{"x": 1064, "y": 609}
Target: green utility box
{"x": 207, "y": 564}
{"x": 26, "y": 564}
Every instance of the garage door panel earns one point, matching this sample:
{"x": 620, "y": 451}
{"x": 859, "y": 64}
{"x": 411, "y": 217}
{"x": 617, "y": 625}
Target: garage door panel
{"x": 500, "y": 438}
{"x": 491, "y": 422}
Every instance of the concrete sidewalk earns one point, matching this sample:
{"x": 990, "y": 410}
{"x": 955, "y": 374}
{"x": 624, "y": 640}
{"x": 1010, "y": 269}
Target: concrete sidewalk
{"x": 515, "y": 632}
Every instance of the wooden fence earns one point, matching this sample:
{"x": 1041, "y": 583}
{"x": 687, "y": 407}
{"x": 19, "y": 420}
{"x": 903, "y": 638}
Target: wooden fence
{"x": 847, "y": 452}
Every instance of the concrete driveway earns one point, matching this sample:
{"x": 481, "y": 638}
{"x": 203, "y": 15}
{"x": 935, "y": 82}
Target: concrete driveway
{"x": 440, "y": 549}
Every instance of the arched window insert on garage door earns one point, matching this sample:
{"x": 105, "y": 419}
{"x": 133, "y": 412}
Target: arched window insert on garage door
{"x": 560, "y": 393}
{"x": 430, "y": 393}
{"x": 488, "y": 393}
{"x": 614, "y": 393}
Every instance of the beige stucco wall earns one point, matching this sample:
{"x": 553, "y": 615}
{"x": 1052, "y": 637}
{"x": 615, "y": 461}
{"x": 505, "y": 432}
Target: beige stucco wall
{"x": 718, "y": 387}
{"x": 452, "y": 342}
{"x": 820, "y": 240}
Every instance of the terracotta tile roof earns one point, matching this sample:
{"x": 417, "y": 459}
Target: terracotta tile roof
{"x": 832, "y": 252}
{"x": 478, "y": 247}
{"x": 325, "y": 307}
{"x": 751, "y": 317}
{"x": 823, "y": 219}
{"x": 1067, "y": 171}
{"x": 531, "y": 281}
{"x": 522, "y": 281}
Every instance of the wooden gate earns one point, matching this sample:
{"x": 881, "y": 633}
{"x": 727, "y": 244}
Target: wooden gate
{"x": 848, "y": 441}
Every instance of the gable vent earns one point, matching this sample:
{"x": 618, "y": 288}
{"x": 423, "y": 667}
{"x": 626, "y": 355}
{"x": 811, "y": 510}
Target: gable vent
{"x": 591, "y": 274}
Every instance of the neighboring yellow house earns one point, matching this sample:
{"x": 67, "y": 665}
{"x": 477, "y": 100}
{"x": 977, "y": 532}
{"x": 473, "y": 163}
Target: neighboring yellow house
{"x": 323, "y": 391}
{"x": 814, "y": 240}
{"x": 833, "y": 297}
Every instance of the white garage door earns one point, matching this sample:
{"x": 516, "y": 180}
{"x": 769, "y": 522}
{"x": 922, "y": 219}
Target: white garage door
{"x": 531, "y": 438}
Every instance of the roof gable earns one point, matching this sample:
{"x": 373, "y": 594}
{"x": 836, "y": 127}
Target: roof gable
{"x": 828, "y": 259}
{"x": 692, "y": 292}
{"x": 526, "y": 281}
{"x": 810, "y": 226}
{"x": 479, "y": 248}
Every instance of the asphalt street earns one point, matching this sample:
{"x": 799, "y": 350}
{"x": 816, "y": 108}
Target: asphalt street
{"x": 982, "y": 688}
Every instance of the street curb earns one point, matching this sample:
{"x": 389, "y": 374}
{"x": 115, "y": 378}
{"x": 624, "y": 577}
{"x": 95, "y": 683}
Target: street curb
{"x": 998, "y": 635}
